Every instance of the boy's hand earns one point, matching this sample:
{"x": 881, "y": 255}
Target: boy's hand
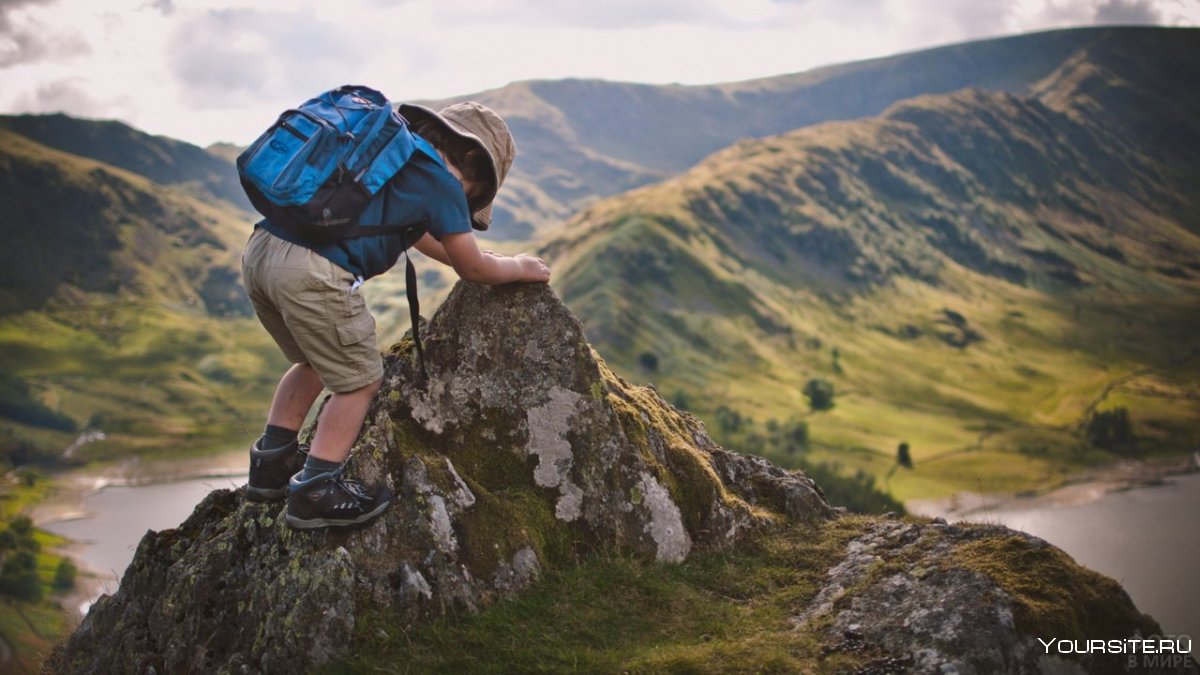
{"x": 533, "y": 269}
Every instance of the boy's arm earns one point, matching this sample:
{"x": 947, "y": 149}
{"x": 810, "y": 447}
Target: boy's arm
{"x": 432, "y": 248}
{"x": 463, "y": 254}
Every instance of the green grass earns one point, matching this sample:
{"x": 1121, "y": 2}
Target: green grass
{"x": 729, "y": 611}
{"x": 158, "y": 381}
{"x": 720, "y": 611}
{"x": 704, "y": 271}
{"x": 32, "y": 628}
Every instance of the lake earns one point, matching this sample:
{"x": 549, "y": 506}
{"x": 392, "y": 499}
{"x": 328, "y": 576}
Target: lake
{"x": 1146, "y": 538}
{"x": 118, "y": 517}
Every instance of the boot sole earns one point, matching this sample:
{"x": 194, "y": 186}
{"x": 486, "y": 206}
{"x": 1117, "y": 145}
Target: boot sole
{"x": 313, "y": 523}
{"x": 257, "y": 494}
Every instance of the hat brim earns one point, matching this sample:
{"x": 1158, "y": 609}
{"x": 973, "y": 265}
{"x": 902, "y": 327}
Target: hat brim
{"x": 481, "y": 216}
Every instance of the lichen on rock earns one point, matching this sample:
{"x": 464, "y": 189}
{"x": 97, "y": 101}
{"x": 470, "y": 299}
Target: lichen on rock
{"x": 522, "y": 452}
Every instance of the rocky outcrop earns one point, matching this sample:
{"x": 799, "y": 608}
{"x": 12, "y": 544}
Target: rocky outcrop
{"x": 521, "y": 452}
{"x": 939, "y": 598}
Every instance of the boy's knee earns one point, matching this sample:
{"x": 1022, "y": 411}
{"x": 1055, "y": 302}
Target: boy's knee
{"x": 368, "y": 389}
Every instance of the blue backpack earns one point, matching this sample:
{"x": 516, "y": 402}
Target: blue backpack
{"x": 314, "y": 170}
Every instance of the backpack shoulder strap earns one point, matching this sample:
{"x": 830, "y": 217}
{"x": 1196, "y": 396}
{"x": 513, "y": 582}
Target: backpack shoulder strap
{"x": 414, "y": 312}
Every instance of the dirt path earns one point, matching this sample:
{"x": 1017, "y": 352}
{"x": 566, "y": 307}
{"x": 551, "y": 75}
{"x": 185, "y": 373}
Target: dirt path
{"x": 6, "y": 651}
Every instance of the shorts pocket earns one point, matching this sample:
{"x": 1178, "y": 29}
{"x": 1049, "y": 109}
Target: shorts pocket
{"x": 356, "y": 329}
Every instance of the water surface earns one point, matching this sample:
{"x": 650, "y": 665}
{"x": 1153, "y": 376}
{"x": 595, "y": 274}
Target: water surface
{"x": 118, "y": 517}
{"x": 1148, "y": 539}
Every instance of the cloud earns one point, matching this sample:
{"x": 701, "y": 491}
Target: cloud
{"x": 165, "y": 7}
{"x": 61, "y": 96}
{"x": 1128, "y": 12}
{"x": 26, "y": 40}
{"x": 588, "y": 14}
{"x": 8, "y": 5}
{"x": 246, "y": 54}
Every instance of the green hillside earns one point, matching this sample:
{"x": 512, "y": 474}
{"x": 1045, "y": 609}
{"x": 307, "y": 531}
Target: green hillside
{"x": 582, "y": 140}
{"x": 163, "y": 160}
{"x": 121, "y": 311}
{"x": 974, "y": 273}
{"x": 579, "y": 140}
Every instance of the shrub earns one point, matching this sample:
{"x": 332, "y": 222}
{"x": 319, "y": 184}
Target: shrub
{"x": 856, "y": 492}
{"x": 1112, "y": 431}
{"x": 682, "y": 400}
{"x": 19, "y": 578}
{"x": 648, "y": 361}
{"x": 64, "y": 575}
{"x": 729, "y": 421}
{"x": 819, "y": 394}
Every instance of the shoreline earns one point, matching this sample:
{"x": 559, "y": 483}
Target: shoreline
{"x": 66, "y": 502}
{"x": 71, "y": 488}
{"x": 1082, "y": 488}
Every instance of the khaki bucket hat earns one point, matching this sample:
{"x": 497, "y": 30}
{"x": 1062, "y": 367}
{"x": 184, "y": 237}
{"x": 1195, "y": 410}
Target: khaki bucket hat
{"x": 480, "y": 124}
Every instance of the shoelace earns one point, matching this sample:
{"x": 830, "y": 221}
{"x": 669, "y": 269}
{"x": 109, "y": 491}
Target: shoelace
{"x": 350, "y": 486}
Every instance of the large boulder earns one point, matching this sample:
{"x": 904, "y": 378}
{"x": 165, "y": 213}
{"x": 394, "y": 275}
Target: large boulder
{"x": 520, "y": 452}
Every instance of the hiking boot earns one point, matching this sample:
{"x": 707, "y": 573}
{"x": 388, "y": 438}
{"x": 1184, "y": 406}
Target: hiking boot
{"x": 329, "y": 500}
{"x": 271, "y": 469}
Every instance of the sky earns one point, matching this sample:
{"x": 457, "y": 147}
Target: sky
{"x": 216, "y": 70}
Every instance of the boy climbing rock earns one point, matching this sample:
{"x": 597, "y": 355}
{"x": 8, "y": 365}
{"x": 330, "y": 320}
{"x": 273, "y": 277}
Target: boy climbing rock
{"x": 307, "y": 297}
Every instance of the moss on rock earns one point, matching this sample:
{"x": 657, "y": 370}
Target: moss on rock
{"x": 522, "y": 457}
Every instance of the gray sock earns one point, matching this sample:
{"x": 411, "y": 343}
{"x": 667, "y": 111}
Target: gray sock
{"x": 315, "y": 466}
{"x": 276, "y": 437}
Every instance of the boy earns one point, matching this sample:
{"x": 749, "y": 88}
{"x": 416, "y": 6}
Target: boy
{"x": 306, "y": 296}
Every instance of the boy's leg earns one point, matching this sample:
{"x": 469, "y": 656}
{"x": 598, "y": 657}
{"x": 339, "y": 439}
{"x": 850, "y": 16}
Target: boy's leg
{"x": 277, "y": 455}
{"x": 319, "y": 496}
{"x": 312, "y": 309}
{"x": 298, "y": 389}
{"x": 340, "y": 422}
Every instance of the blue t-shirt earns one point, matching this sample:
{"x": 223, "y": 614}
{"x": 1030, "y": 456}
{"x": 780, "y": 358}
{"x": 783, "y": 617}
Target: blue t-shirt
{"x": 423, "y": 193}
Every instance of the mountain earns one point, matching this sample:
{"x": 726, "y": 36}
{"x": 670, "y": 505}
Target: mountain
{"x": 579, "y": 140}
{"x": 121, "y": 308}
{"x": 163, "y": 160}
{"x": 582, "y": 140}
{"x": 539, "y": 495}
{"x": 75, "y": 222}
{"x": 976, "y": 274}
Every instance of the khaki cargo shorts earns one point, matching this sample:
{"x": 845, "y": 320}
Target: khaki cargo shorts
{"x": 306, "y": 303}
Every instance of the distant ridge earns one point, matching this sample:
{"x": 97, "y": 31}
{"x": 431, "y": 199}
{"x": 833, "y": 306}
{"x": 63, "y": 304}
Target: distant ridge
{"x": 579, "y": 140}
{"x": 977, "y": 260}
{"x": 121, "y": 306}
{"x": 158, "y": 158}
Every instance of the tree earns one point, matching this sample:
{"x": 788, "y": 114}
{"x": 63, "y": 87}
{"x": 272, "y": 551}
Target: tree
{"x": 729, "y": 420}
{"x": 19, "y": 578}
{"x": 64, "y": 575}
{"x": 819, "y": 393}
{"x": 1112, "y": 430}
{"x": 793, "y": 437}
{"x": 903, "y": 458}
{"x": 648, "y": 361}
{"x": 682, "y": 400}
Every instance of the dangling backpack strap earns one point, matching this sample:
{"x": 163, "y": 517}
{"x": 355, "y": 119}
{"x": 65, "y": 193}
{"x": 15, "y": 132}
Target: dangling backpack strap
{"x": 414, "y": 311}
